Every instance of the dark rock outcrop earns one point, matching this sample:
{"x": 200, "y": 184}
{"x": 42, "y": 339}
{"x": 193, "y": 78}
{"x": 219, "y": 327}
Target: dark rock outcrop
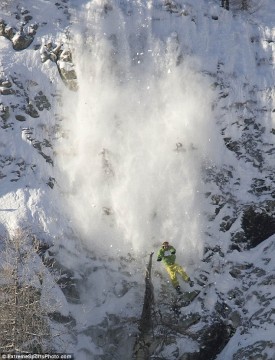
{"x": 63, "y": 59}
{"x": 212, "y": 340}
{"x": 258, "y": 226}
{"x": 20, "y": 39}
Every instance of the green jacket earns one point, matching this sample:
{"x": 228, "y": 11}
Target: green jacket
{"x": 168, "y": 256}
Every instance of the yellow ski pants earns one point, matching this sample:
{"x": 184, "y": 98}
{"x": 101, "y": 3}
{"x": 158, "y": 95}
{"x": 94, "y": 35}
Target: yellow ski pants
{"x": 175, "y": 269}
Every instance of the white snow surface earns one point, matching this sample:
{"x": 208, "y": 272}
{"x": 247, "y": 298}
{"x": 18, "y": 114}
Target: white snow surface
{"x": 129, "y": 146}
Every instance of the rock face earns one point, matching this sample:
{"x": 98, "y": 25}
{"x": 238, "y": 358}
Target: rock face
{"x": 233, "y": 297}
{"x": 63, "y": 59}
{"x": 260, "y": 350}
{"x": 66, "y": 70}
{"x": 258, "y": 224}
{"x": 20, "y": 39}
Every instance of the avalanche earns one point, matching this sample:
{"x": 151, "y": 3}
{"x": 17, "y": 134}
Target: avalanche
{"x": 127, "y": 123}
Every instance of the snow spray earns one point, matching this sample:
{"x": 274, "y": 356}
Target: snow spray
{"x": 137, "y": 132}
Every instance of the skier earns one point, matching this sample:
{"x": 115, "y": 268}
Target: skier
{"x": 167, "y": 254}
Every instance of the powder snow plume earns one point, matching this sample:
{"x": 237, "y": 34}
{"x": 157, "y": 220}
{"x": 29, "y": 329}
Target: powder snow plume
{"x": 137, "y": 133}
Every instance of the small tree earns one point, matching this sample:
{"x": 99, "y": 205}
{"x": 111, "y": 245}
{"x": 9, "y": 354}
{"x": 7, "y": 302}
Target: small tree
{"x": 23, "y": 321}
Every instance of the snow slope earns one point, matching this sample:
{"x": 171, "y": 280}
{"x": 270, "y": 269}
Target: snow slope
{"x": 167, "y": 137}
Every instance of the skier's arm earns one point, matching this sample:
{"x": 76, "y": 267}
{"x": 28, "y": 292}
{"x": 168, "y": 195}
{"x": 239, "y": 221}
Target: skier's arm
{"x": 173, "y": 250}
{"x": 159, "y": 257}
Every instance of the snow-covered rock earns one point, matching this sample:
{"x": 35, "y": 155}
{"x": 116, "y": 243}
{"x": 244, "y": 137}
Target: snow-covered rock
{"x": 124, "y": 124}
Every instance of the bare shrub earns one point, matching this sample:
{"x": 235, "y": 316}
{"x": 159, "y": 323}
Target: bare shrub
{"x": 23, "y": 318}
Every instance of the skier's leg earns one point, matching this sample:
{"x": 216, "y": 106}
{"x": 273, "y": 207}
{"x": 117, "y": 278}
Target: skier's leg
{"x": 182, "y": 272}
{"x": 172, "y": 273}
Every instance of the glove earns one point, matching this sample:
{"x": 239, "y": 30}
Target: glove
{"x": 158, "y": 259}
{"x": 173, "y": 252}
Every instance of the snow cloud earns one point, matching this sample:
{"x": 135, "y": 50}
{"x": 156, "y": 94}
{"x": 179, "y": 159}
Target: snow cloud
{"x": 137, "y": 133}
